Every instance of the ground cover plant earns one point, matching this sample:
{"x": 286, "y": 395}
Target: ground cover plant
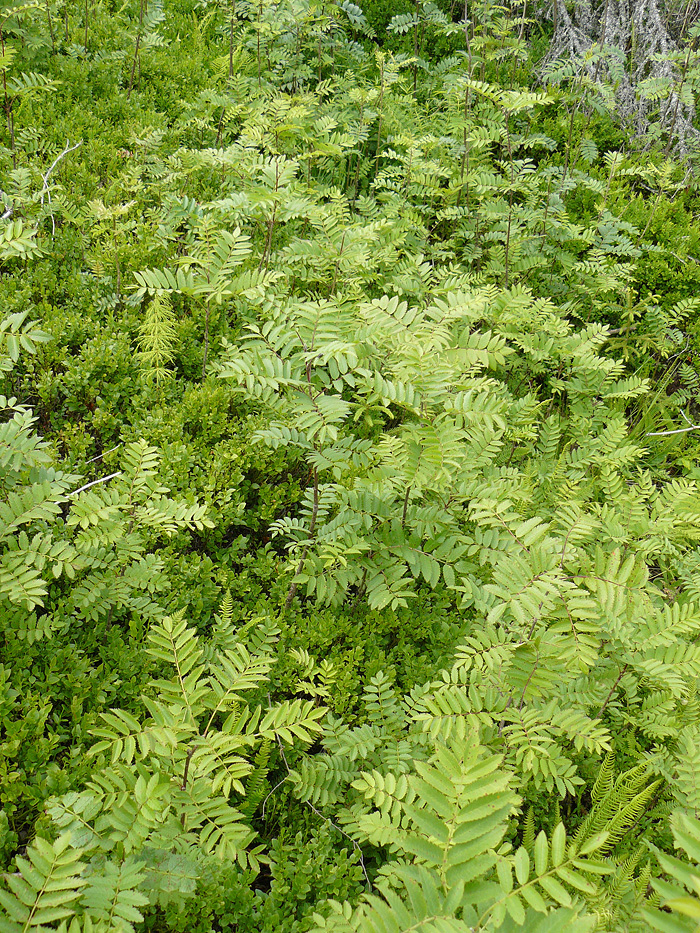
{"x": 349, "y": 563}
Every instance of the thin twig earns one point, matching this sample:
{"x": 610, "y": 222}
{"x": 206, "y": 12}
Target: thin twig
{"x": 8, "y": 213}
{"x": 104, "y": 453}
{"x": 693, "y": 427}
{"x": 276, "y": 787}
{"x": 612, "y": 690}
{"x": 53, "y": 165}
{"x": 136, "y": 54}
{"x": 103, "y": 479}
{"x": 45, "y": 187}
{"x": 186, "y": 771}
{"x": 327, "y": 819}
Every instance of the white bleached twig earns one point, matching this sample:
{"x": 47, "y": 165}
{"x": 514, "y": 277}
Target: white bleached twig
{"x": 104, "y": 453}
{"x": 47, "y": 175}
{"x": 693, "y": 427}
{"x": 103, "y": 479}
{"x": 53, "y": 165}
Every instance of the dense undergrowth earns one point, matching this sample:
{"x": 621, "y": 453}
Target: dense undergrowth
{"x": 350, "y": 574}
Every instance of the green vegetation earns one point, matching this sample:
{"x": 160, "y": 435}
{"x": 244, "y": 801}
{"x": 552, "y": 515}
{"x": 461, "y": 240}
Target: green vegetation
{"x": 350, "y": 518}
